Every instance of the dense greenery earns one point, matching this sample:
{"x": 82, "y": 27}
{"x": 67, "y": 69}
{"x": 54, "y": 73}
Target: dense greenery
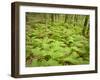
{"x": 56, "y": 39}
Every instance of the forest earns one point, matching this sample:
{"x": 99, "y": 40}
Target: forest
{"x": 57, "y": 39}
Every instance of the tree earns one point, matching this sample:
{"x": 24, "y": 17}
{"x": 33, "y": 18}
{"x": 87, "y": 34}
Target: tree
{"x": 66, "y": 17}
{"x": 86, "y": 22}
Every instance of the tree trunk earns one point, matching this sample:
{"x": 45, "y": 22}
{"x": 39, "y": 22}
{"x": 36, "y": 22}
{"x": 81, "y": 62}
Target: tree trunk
{"x": 85, "y": 25}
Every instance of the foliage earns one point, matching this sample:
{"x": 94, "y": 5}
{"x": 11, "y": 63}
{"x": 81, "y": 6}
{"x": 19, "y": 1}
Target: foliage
{"x": 56, "y": 42}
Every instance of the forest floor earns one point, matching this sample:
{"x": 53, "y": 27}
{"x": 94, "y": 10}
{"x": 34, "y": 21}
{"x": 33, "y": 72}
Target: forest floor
{"x": 56, "y": 44}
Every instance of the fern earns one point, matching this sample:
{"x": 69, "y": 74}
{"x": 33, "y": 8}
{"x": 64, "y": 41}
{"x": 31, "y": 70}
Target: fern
{"x": 55, "y": 43}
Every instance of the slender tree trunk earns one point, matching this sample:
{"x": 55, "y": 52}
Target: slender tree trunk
{"x": 66, "y": 17}
{"x": 85, "y": 25}
{"x": 52, "y": 18}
